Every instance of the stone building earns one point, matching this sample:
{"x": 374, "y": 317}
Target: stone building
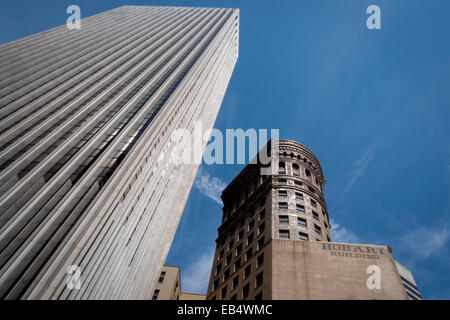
{"x": 274, "y": 241}
{"x": 168, "y": 286}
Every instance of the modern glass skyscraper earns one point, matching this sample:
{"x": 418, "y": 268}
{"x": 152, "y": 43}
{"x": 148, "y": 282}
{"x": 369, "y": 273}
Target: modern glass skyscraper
{"x": 88, "y": 190}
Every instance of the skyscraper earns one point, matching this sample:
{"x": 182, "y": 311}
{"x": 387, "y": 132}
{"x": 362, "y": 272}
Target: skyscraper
{"x": 89, "y": 191}
{"x": 275, "y": 242}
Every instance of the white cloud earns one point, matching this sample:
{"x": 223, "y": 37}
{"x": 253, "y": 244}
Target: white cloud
{"x": 211, "y": 187}
{"x": 424, "y": 242}
{"x": 196, "y": 276}
{"x": 341, "y": 234}
{"x": 361, "y": 166}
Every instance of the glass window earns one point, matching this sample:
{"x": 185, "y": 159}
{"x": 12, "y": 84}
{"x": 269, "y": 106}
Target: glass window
{"x": 302, "y": 222}
{"x": 259, "y": 279}
{"x": 260, "y": 260}
{"x": 283, "y": 206}
{"x": 161, "y": 277}
{"x": 284, "y": 234}
{"x": 302, "y": 236}
{"x": 317, "y": 229}
{"x": 247, "y": 271}
{"x": 245, "y": 290}
{"x": 284, "y": 219}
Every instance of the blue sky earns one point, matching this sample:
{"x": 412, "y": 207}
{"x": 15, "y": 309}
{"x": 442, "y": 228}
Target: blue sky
{"x": 372, "y": 105}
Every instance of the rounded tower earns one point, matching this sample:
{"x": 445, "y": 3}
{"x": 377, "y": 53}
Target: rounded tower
{"x": 299, "y": 210}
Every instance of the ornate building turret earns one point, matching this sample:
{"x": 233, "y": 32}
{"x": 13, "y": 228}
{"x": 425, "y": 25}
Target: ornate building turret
{"x": 259, "y": 208}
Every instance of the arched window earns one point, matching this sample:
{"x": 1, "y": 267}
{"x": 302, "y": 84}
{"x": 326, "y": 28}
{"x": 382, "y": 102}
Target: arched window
{"x": 295, "y": 169}
{"x": 281, "y": 167}
{"x": 308, "y": 173}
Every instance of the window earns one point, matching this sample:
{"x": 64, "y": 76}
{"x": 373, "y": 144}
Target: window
{"x": 297, "y": 183}
{"x": 308, "y": 173}
{"x": 311, "y": 189}
{"x": 251, "y": 225}
{"x": 298, "y": 196}
{"x": 283, "y": 206}
{"x": 282, "y": 193}
{"x": 237, "y": 264}
{"x": 224, "y": 292}
{"x": 302, "y": 236}
{"x": 262, "y": 214}
{"x": 234, "y": 297}
{"x": 260, "y": 243}
{"x": 295, "y": 169}
{"x": 248, "y": 254}
{"x": 241, "y": 235}
{"x": 235, "y": 282}
{"x": 260, "y": 260}
{"x": 228, "y": 259}
{"x": 302, "y": 222}
{"x": 259, "y": 279}
{"x": 261, "y": 228}
{"x": 328, "y": 239}
{"x": 216, "y": 284}
{"x": 161, "y": 277}
{"x": 247, "y": 271}
{"x": 317, "y": 229}
{"x": 315, "y": 215}
{"x": 282, "y": 181}
{"x": 245, "y": 290}
{"x": 239, "y": 249}
{"x": 281, "y": 167}
{"x": 155, "y": 295}
{"x": 218, "y": 268}
{"x": 249, "y": 239}
{"x": 313, "y": 203}
{"x": 221, "y": 253}
{"x": 284, "y": 234}
{"x": 259, "y": 296}
{"x": 300, "y": 208}
{"x": 230, "y": 245}
{"x": 226, "y": 274}
{"x": 284, "y": 219}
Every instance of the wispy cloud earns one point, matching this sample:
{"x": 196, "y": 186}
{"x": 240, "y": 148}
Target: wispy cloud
{"x": 423, "y": 242}
{"x": 360, "y": 166}
{"x": 341, "y": 234}
{"x": 211, "y": 187}
{"x": 196, "y": 276}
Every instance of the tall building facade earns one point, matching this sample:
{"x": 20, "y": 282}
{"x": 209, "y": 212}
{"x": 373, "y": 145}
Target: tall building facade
{"x": 274, "y": 241}
{"x": 168, "y": 286}
{"x": 89, "y": 189}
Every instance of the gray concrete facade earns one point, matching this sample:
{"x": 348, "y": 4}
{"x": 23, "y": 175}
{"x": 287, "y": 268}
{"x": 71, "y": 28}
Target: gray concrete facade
{"x": 86, "y": 176}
